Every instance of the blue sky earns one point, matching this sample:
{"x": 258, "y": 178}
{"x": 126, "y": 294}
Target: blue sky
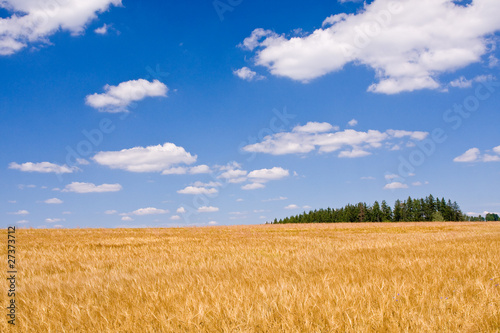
{"x": 159, "y": 113}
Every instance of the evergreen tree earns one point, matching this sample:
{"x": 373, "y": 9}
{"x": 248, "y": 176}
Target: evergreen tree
{"x": 386, "y": 212}
{"x": 376, "y": 213}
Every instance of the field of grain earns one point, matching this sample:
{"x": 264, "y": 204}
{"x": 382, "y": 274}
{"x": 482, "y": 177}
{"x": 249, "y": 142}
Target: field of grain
{"x": 384, "y": 277}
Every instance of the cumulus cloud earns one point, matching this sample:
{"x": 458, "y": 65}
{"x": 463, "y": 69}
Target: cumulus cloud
{"x": 252, "y": 186}
{"x": 146, "y": 159}
{"x": 470, "y": 155}
{"x": 21, "y": 212}
{"x": 208, "y": 209}
{"x": 197, "y": 190}
{"x": 175, "y": 217}
{"x": 212, "y": 222}
{"x": 474, "y": 155}
{"x": 407, "y": 43}
{"x": 175, "y": 171}
{"x": 275, "y": 199}
{"x": 149, "y": 211}
{"x": 181, "y": 210}
{"x": 102, "y": 30}
{"x": 354, "y": 153}
{"x": 22, "y": 221}
{"x": 314, "y": 127}
{"x": 264, "y": 175}
{"x": 353, "y": 143}
{"x": 53, "y": 220}
{"x": 247, "y": 74}
{"x": 352, "y": 122}
{"x": 462, "y": 82}
{"x": 127, "y": 218}
{"x": 118, "y": 98}
{"x": 291, "y": 206}
{"x": 395, "y": 185}
{"x": 202, "y": 168}
{"x": 209, "y": 184}
{"x": 91, "y": 188}
{"x": 110, "y": 212}
{"x": 43, "y": 167}
{"x": 33, "y": 21}
{"x": 55, "y": 201}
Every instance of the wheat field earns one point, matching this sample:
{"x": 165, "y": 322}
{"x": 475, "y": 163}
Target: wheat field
{"x": 383, "y": 277}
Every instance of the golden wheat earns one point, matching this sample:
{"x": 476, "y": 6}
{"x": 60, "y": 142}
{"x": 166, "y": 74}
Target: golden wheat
{"x": 394, "y": 277}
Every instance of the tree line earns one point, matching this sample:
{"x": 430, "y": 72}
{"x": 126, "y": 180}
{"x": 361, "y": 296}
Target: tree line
{"x": 409, "y": 210}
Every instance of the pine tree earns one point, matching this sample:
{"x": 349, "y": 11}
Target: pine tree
{"x": 386, "y": 212}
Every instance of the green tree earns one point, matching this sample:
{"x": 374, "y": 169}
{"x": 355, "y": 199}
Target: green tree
{"x": 398, "y": 211}
{"x": 492, "y": 217}
{"x": 376, "y": 213}
{"x": 386, "y": 212}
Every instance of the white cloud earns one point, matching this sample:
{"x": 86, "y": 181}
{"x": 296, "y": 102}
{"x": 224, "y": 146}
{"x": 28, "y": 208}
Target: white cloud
{"x": 233, "y": 174}
{"x": 149, "y": 211}
{"x": 181, "y": 210}
{"x": 253, "y": 41}
{"x": 357, "y": 143}
{"x": 49, "y": 220}
{"x": 82, "y": 161}
{"x": 58, "y": 226}
{"x": 175, "y": 171}
{"x": 314, "y": 127}
{"x": 247, "y": 74}
{"x": 391, "y": 176}
{"x": 22, "y": 221}
{"x": 292, "y": 206}
{"x": 110, "y": 212}
{"x": 209, "y": 184}
{"x": 34, "y": 21}
{"x": 43, "y": 167}
{"x": 462, "y": 82}
{"x": 212, "y": 222}
{"x": 145, "y": 159}
{"x": 102, "y": 30}
{"x": 202, "y": 168}
{"x": 367, "y": 178}
{"x": 175, "y": 217}
{"x": 21, "y": 212}
{"x": 275, "y": 199}
{"x": 352, "y": 122}
{"x": 491, "y": 158}
{"x": 417, "y": 183}
{"x": 118, "y": 98}
{"x": 127, "y": 218}
{"x": 264, "y": 175}
{"x": 197, "y": 190}
{"x": 252, "y": 186}
{"x": 53, "y": 201}
{"x": 395, "y": 185}
{"x": 239, "y": 200}
{"x": 408, "y": 43}
{"x": 209, "y": 209}
{"x": 470, "y": 155}
{"x": 474, "y": 155}
{"x": 355, "y": 153}
{"x": 91, "y": 188}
